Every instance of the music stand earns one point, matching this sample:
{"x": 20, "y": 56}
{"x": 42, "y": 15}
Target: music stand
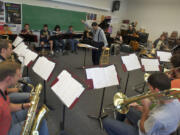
{"x": 130, "y": 62}
{"x": 148, "y": 66}
{"x": 92, "y": 81}
{"x": 68, "y": 94}
{"x": 86, "y": 46}
{"x": 44, "y": 73}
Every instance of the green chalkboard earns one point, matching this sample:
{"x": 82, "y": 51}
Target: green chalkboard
{"x": 38, "y": 16}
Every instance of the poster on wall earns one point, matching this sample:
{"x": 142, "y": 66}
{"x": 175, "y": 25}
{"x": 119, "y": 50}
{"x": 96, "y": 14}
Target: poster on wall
{"x": 13, "y": 13}
{"x": 2, "y": 13}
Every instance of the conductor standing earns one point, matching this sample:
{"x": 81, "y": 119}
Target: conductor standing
{"x": 99, "y": 41}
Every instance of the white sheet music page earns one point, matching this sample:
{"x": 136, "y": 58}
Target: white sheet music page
{"x": 43, "y": 67}
{"x": 17, "y": 41}
{"x": 102, "y": 76}
{"x": 164, "y": 56}
{"x": 131, "y": 62}
{"x": 150, "y": 64}
{"x": 67, "y": 88}
{"x": 20, "y": 49}
{"x": 28, "y": 56}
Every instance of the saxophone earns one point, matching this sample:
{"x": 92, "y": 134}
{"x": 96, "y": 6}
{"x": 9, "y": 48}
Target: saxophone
{"x": 33, "y": 121}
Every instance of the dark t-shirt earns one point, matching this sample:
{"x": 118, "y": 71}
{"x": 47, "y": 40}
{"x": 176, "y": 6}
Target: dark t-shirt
{"x": 46, "y": 34}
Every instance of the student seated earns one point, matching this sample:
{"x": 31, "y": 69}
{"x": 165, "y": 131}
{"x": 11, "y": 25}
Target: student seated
{"x": 13, "y": 92}
{"x": 87, "y": 37}
{"x": 160, "y": 43}
{"x": 5, "y": 30}
{"x": 13, "y": 116}
{"x": 26, "y": 30}
{"x": 45, "y": 38}
{"x": 72, "y": 42}
{"x": 58, "y": 42}
{"x": 163, "y": 119}
{"x": 118, "y": 40}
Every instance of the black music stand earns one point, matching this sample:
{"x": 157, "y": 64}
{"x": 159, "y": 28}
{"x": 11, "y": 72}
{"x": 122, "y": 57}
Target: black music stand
{"x": 70, "y": 105}
{"x": 85, "y": 47}
{"x": 100, "y": 115}
{"x": 127, "y": 66}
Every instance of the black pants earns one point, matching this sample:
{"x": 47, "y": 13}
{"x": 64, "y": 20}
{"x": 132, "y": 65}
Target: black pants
{"x": 96, "y": 54}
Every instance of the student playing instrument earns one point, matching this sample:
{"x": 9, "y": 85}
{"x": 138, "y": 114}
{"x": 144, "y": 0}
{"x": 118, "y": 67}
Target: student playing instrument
{"x": 15, "y": 96}
{"x": 72, "y": 42}
{"x": 163, "y": 119}
{"x": 45, "y": 38}
{"x": 26, "y": 30}
{"x": 160, "y": 44}
{"x": 5, "y": 30}
{"x": 58, "y": 42}
{"x": 99, "y": 41}
{"x": 12, "y": 116}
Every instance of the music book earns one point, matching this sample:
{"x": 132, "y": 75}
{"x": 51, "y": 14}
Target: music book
{"x": 43, "y": 67}
{"x": 87, "y": 46}
{"x": 150, "y": 64}
{"x": 27, "y": 57}
{"x": 164, "y": 56}
{"x": 20, "y": 49}
{"x": 17, "y": 41}
{"x": 103, "y": 76}
{"x": 131, "y": 62}
{"x": 67, "y": 88}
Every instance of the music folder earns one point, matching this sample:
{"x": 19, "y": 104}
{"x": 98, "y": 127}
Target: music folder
{"x": 102, "y": 77}
{"x": 43, "y": 67}
{"x": 67, "y": 88}
{"x": 130, "y": 62}
{"x": 150, "y": 64}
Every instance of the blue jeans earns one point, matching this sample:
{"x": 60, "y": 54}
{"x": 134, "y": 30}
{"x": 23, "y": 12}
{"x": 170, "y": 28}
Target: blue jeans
{"x": 73, "y": 43}
{"x": 18, "y": 119}
{"x": 59, "y": 43}
{"x": 115, "y": 127}
{"x": 19, "y": 97}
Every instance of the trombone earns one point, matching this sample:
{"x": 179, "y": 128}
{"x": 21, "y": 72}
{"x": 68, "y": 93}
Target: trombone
{"x": 121, "y": 101}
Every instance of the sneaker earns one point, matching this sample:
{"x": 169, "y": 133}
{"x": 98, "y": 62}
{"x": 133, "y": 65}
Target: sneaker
{"x": 52, "y": 52}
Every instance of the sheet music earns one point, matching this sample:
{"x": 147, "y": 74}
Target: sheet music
{"x": 20, "y": 49}
{"x": 43, "y": 67}
{"x": 150, "y": 64}
{"x": 86, "y": 46}
{"x": 103, "y": 76}
{"x": 67, "y": 88}
{"x": 17, "y": 41}
{"x": 164, "y": 56}
{"x": 28, "y": 56}
{"x": 131, "y": 62}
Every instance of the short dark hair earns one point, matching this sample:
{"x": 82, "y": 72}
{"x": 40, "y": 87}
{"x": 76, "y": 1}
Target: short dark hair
{"x": 94, "y": 24}
{"x": 160, "y": 81}
{"x": 175, "y": 60}
{"x": 45, "y": 25}
{"x": 70, "y": 26}
{"x": 4, "y": 44}
{"x": 5, "y": 25}
{"x": 26, "y": 24}
{"x": 8, "y": 69}
{"x": 57, "y": 27}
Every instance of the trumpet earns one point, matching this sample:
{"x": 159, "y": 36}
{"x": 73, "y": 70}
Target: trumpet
{"x": 121, "y": 101}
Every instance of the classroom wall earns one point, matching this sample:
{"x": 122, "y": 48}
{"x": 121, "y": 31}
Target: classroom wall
{"x": 155, "y": 16}
{"x": 117, "y": 16}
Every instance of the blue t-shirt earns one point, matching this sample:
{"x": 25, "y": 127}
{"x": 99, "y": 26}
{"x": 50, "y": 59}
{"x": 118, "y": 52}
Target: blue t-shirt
{"x": 163, "y": 119}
